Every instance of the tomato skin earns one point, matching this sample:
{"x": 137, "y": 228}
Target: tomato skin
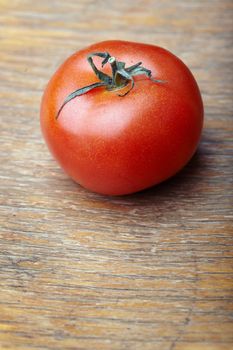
{"x": 119, "y": 145}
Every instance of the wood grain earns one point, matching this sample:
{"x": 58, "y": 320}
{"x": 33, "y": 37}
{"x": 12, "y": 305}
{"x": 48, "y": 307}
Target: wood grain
{"x": 149, "y": 271}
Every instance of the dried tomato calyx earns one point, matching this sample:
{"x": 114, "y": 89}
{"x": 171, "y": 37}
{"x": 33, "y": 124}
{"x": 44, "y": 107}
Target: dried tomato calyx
{"x": 121, "y": 77}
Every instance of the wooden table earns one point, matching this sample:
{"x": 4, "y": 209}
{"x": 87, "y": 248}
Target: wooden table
{"x": 150, "y": 271}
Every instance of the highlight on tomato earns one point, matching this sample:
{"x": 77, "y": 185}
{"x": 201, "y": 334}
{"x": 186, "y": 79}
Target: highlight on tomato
{"x": 122, "y": 116}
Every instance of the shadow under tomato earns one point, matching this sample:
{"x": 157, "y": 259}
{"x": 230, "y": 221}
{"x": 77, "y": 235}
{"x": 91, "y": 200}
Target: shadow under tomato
{"x": 184, "y": 182}
{"x": 189, "y": 175}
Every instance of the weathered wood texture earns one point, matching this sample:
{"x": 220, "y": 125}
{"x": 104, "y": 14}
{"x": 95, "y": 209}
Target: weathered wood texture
{"x": 82, "y": 271}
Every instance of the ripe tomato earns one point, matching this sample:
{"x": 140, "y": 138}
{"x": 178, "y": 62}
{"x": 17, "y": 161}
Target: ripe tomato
{"x": 115, "y": 144}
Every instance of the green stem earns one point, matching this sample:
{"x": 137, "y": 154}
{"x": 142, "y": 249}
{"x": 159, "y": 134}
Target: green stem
{"x": 121, "y": 77}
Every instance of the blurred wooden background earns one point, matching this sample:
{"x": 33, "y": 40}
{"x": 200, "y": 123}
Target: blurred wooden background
{"x": 151, "y": 271}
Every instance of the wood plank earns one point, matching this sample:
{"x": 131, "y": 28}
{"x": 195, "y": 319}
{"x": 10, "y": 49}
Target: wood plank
{"x": 78, "y": 270}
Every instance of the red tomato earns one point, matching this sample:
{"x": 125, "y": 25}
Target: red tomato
{"x": 115, "y": 144}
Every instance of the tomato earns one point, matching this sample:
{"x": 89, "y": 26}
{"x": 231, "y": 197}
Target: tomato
{"x": 115, "y": 138}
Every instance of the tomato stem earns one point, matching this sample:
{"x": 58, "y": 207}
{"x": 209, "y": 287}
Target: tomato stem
{"x": 121, "y": 77}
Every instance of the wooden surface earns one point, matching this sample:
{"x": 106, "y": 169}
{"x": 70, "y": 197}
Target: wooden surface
{"x": 151, "y": 271}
